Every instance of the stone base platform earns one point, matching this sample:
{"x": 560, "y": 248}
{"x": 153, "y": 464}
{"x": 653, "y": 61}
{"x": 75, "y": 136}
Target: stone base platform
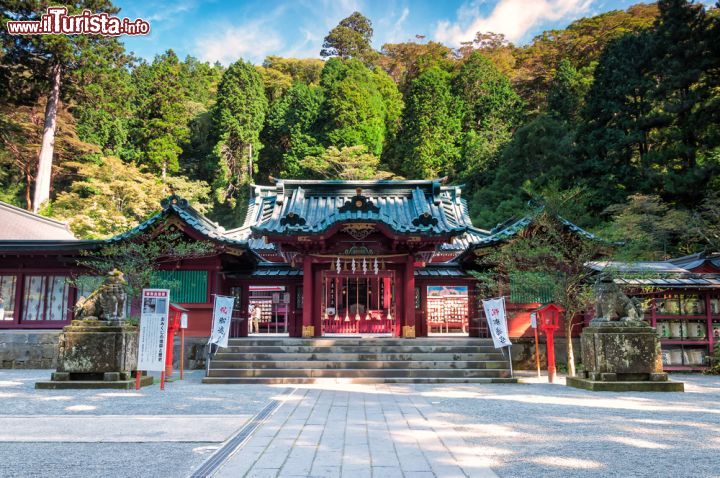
{"x": 625, "y": 386}
{"x": 145, "y": 381}
{"x": 622, "y": 356}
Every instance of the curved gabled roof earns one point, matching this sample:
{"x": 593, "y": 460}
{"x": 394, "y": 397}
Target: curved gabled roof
{"x": 172, "y": 205}
{"x": 190, "y": 216}
{"x": 309, "y": 207}
{"x": 507, "y": 230}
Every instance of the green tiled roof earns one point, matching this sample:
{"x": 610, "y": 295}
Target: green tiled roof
{"x": 189, "y": 216}
{"x": 308, "y": 207}
{"x": 510, "y": 229}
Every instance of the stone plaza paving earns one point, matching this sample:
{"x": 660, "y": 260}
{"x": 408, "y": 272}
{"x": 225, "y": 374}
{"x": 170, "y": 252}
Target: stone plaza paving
{"x": 338, "y": 429}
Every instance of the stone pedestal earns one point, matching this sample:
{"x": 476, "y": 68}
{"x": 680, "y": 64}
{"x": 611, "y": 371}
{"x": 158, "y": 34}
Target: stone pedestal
{"x": 622, "y": 356}
{"x": 96, "y": 353}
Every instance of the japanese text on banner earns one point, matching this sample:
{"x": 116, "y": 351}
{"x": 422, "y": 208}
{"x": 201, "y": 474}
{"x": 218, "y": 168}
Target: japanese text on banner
{"x": 222, "y": 315}
{"x": 497, "y": 321}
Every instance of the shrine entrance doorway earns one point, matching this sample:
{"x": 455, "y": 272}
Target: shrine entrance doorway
{"x": 269, "y": 309}
{"x": 358, "y": 303}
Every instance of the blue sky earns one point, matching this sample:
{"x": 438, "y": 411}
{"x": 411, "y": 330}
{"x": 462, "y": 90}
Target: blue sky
{"x": 214, "y": 30}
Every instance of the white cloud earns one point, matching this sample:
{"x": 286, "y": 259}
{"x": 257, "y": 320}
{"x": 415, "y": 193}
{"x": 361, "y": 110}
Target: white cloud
{"x": 513, "y": 18}
{"x": 252, "y": 41}
{"x": 171, "y": 10}
{"x": 392, "y": 28}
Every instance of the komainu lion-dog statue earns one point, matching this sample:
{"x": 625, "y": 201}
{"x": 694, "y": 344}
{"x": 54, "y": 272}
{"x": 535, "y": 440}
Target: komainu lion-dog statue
{"x": 107, "y": 302}
{"x": 612, "y": 304}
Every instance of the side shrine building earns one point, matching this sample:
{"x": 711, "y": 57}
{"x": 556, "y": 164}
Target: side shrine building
{"x": 312, "y": 259}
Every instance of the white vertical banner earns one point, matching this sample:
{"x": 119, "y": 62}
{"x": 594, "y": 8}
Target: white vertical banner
{"x": 152, "y": 339}
{"x": 497, "y": 321}
{"x": 222, "y": 315}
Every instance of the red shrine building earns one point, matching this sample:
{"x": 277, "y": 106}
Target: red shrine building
{"x": 314, "y": 258}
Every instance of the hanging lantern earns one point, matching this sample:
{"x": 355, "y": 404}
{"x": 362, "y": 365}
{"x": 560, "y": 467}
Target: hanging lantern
{"x": 367, "y": 315}
{"x": 389, "y": 316}
{"x": 347, "y": 316}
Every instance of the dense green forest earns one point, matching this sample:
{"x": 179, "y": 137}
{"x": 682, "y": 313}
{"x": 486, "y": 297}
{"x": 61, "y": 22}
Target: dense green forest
{"x": 623, "y": 107}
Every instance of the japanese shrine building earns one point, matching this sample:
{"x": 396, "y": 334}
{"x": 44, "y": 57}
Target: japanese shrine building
{"x": 317, "y": 258}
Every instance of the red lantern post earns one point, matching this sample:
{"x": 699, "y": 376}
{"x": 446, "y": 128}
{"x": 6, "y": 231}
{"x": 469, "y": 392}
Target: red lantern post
{"x": 549, "y": 317}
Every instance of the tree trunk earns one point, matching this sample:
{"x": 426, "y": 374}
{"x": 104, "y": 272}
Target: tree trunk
{"x": 569, "y": 347}
{"x": 45, "y": 158}
{"x": 28, "y": 187}
{"x": 251, "y": 167}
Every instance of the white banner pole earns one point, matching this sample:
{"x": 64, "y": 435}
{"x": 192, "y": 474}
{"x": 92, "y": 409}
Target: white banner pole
{"x": 507, "y": 327}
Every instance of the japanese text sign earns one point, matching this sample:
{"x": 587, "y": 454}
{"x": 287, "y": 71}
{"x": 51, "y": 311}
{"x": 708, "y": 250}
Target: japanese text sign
{"x": 152, "y": 339}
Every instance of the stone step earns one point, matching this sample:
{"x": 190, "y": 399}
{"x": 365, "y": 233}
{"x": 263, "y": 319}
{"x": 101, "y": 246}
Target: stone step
{"x": 345, "y": 341}
{"x": 359, "y": 364}
{"x": 283, "y": 360}
{"x": 363, "y": 380}
{"x": 370, "y": 373}
{"x": 428, "y": 348}
{"x": 354, "y": 357}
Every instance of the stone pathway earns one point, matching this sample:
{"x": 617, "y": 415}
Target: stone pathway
{"x": 355, "y": 431}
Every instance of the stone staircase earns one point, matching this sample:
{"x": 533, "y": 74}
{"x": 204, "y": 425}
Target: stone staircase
{"x": 359, "y": 360}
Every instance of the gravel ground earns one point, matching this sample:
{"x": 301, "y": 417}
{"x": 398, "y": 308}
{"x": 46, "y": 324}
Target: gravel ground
{"x": 550, "y": 430}
{"x": 19, "y": 397}
{"x": 138, "y": 452}
{"x": 528, "y": 429}
{"x": 83, "y": 460}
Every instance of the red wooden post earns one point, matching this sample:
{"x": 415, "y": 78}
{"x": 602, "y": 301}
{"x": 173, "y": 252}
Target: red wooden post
{"x": 709, "y": 324}
{"x": 169, "y": 353}
{"x": 409, "y": 291}
{"x": 173, "y": 325}
{"x": 550, "y": 355}
{"x": 244, "y": 306}
{"x": 182, "y": 353}
{"x": 162, "y": 380}
{"x": 317, "y": 300}
{"x": 307, "y": 310}
{"x": 537, "y": 350}
{"x": 138, "y": 374}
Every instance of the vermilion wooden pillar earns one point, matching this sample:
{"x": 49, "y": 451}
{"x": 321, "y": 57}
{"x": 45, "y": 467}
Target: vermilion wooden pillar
{"x": 307, "y": 310}
{"x": 409, "y": 292}
{"x": 473, "y": 311}
{"x": 315, "y": 312}
{"x": 244, "y": 309}
{"x": 292, "y": 312}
